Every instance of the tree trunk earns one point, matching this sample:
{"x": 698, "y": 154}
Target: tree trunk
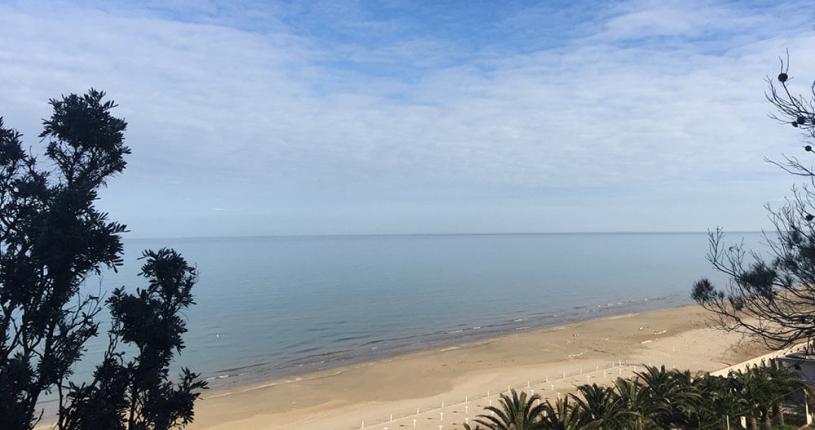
{"x": 778, "y": 411}
{"x": 768, "y": 422}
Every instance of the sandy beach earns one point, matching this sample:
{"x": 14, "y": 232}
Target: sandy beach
{"x": 445, "y": 387}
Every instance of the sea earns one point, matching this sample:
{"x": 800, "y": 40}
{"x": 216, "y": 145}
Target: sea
{"x": 276, "y": 307}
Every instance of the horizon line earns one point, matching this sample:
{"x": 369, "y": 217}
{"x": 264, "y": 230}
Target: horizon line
{"x": 340, "y": 235}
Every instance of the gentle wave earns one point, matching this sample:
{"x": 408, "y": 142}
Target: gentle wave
{"x": 300, "y": 361}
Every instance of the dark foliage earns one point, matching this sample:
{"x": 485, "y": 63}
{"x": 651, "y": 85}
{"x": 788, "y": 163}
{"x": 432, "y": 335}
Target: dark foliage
{"x": 52, "y": 238}
{"x": 138, "y": 394}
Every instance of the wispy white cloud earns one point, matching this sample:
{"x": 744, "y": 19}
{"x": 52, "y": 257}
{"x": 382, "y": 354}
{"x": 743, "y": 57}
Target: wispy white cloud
{"x": 651, "y": 18}
{"x": 253, "y": 108}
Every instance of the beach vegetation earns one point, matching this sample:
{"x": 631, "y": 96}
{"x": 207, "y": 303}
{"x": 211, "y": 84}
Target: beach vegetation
{"x": 656, "y": 398}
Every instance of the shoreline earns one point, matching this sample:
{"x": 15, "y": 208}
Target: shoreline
{"x": 264, "y": 372}
{"x": 345, "y": 396}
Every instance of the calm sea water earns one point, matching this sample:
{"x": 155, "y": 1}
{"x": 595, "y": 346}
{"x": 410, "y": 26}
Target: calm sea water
{"x": 274, "y": 306}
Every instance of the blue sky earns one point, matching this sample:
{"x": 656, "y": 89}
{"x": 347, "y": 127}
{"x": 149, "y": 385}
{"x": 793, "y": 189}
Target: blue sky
{"x": 329, "y": 117}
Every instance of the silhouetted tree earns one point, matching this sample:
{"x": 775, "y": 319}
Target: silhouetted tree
{"x": 138, "y": 394}
{"x": 773, "y": 297}
{"x": 52, "y": 238}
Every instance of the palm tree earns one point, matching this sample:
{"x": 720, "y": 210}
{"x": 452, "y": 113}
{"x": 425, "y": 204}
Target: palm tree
{"x": 516, "y": 412}
{"x": 784, "y": 382}
{"x": 756, "y": 390}
{"x": 723, "y": 403}
{"x": 599, "y": 408}
{"x": 633, "y": 399}
{"x": 690, "y": 405}
{"x": 561, "y": 416}
{"x": 671, "y": 400}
